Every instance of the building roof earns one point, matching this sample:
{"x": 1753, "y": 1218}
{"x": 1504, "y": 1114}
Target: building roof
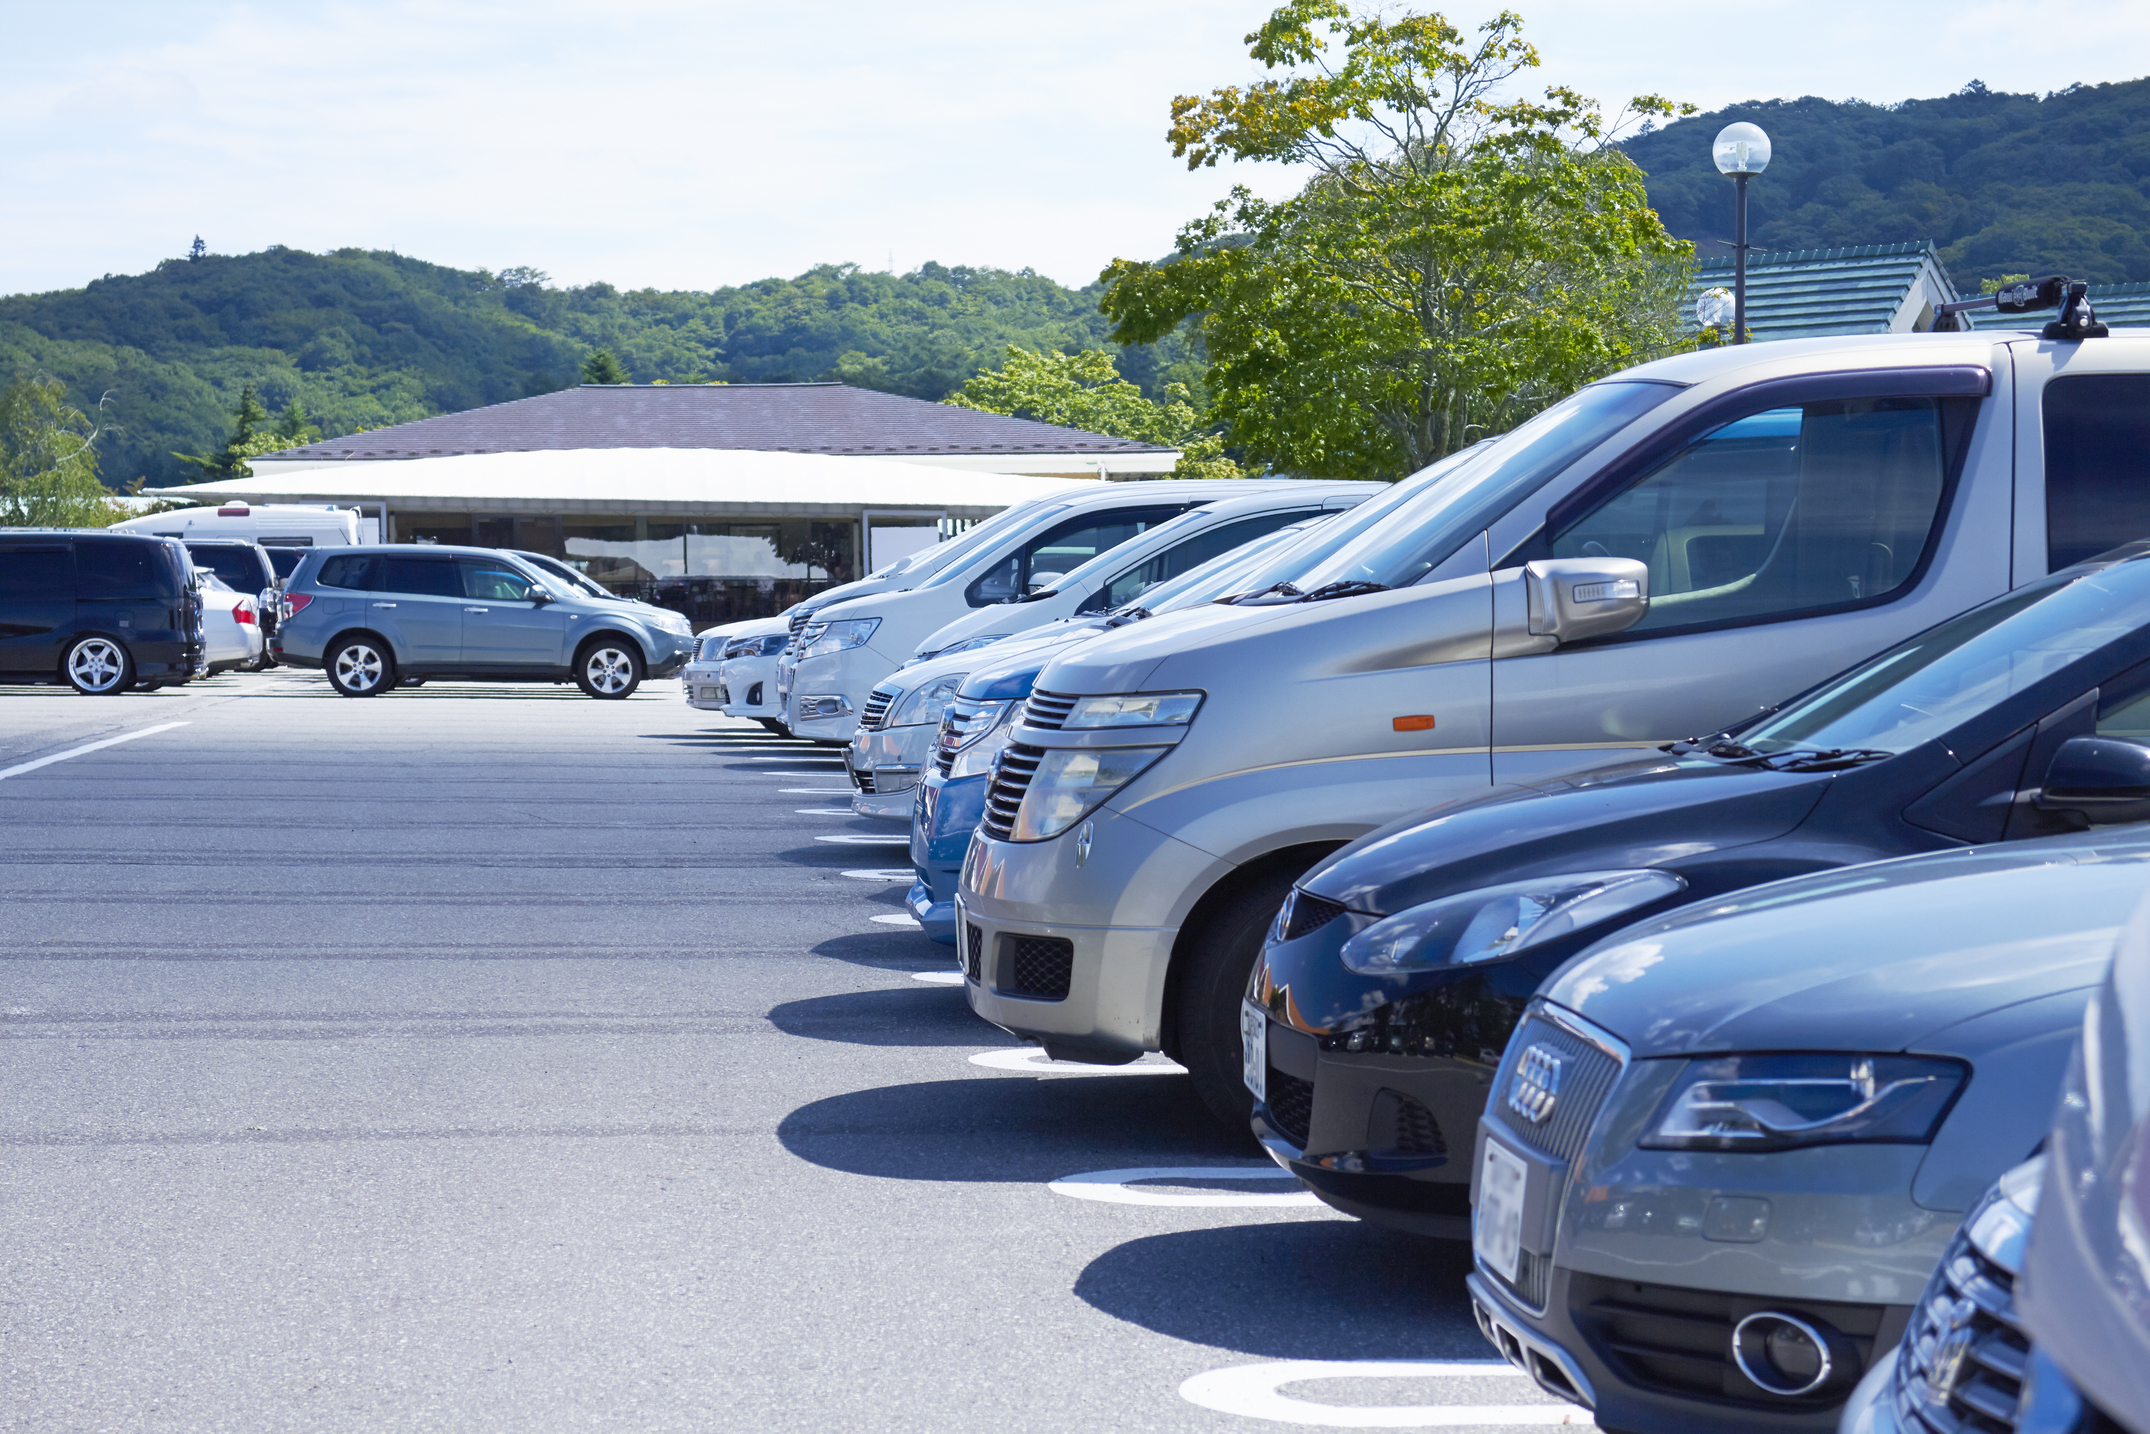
{"x": 697, "y": 482}
{"x": 1817, "y": 293}
{"x": 2121, "y": 303}
{"x": 829, "y": 418}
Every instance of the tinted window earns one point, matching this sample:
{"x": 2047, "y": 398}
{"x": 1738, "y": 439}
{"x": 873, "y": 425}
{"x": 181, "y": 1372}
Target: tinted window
{"x": 1182, "y": 557}
{"x": 1950, "y": 673}
{"x": 240, "y": 567}
{"x": 357, "y": 571}
{"x": 286, "y": 561}
{"x": 114, "y": 568}
{"x": 2097, "y": 464}
{"x": 1779, "y": 513}
{"x": 27, "y": 573}
{"x": 423, "y": 577}
{"x": 493, "y": 582}
{"x": 1062, "y": 549}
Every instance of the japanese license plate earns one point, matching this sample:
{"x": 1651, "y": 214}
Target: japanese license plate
{"x": 1254, "y": 1048}
{"x": 1497, "y": 1216}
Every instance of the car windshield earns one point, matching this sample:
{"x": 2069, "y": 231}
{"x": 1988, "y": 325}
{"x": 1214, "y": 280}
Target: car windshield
{"x": 1950, "y": 673}
{"x": 1449, "y": 504}
{"x": 553, "y": 567}
{"x": 210, "y": 582}
{"x": 927, "y": 561}
{"x": 1028, "y": 518}
{"x": 1225, "y": 573}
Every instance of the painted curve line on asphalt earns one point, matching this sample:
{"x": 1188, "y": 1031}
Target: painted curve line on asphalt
{"x": 1116, "y": 1187}
{"x": 1254, "y": 1391}
{"x": 866, "y": 839}
{"x": 938, "y": 978}
{"x": 19, "y": 768}
{"x": 1032, "y": 1061}
{"x": 885, "y": 873}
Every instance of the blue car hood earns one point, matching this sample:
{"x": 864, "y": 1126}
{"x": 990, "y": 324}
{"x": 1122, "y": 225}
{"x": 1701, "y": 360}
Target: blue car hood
{"x": 1880, "y": 957}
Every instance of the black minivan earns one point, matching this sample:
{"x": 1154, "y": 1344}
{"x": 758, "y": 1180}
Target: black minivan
{"x": 102, "y": 611}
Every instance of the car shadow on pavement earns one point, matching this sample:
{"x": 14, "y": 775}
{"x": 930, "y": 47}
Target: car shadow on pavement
{"x": 919, "y": 1016}
{"x": 1313, "y": 1289}
{"x": 893, "y": 950}
{"x": 1011, "y": 1128}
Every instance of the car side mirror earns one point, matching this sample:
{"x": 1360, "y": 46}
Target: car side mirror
{"x": 1045, "y": 582}
{"x": 2105, "y": 780}
{"x": 1541, "y": 605}
{"x": 540, "y": 596}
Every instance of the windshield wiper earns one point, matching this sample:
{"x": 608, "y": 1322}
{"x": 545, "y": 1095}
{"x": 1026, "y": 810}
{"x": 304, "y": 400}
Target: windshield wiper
{"x": 1283, "y": 589}
{"x": 1123, "y": 618}
{"x": 1792, "y": 759}
{"x": 1349, "y": 588}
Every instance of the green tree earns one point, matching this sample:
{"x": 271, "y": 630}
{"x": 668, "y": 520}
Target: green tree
{"x": 1457, "y": 262}
{"x": 250, "y": 440}
{"x": 296, "y": 426}
{"x": 602, "y": 367}
{"x": 48, "y": 460}
{"x": 1084, "y": 390}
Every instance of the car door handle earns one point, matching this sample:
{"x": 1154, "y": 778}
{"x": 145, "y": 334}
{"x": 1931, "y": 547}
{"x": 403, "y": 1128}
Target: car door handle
{"x": 384, "y": 604}
{"x": 477, "y": 609}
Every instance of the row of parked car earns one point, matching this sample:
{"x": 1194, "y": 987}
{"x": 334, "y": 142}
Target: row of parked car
{"x": 1674, "y": 846}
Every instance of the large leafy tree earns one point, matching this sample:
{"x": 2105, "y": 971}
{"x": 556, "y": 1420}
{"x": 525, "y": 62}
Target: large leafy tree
{"x": 1457, "y": 261}
{"x": 1084, "y": 390}
{"x": 48, "y": 460}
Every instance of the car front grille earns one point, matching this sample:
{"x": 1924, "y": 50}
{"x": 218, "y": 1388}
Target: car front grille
{"x": 973, "y": 943}
{"x": 1586, "y": 1078}
{"x": 955, "y": 721}
{"x": 1960, "y": 1366}
{"x": 1048, "y": 709}
{"x": 862, "y": 778}
{"x": 1011, "y": 778}
{"x": 878, "y": 702}
{"x": 1040, "y": 967}
{"x": 1291, "y": 1105}
{"x": 1309, "y": 913}
{"x": 798, "y": 622}
{"x": 1679, "y": 1341}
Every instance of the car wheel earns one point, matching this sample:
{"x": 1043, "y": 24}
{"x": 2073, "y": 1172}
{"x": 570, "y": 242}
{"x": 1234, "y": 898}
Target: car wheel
{"x": 361, "y": 667}
{"x": 609, "y": 667}
{"x": 98, "y": 667}
{"x": 1219, "y": 961}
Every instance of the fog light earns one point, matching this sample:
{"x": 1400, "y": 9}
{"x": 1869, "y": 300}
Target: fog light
{"x": 823, "y": 706}
{"x": 1787, "y": 1356}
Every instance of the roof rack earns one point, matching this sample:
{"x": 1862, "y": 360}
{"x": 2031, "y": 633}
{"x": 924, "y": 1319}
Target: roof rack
{"x": 2077, "y": 319}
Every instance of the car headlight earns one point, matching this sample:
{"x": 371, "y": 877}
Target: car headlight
{"x": 983, "y": 739}
{"x": 1072, "y": 782}
{"x": 927, "y": 703}
{"x": 1783, "y": 1102}
{"x": 1135, "y": 709}
{"x": 839, "y": 636}
{"x": 1497, "y": 921}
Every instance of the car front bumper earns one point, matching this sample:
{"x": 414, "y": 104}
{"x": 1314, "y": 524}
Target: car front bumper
{"x": 885, "y": 767}
{"x": 745, "y": 679}
{"x": 703, "y": 686}
{"x": 943, "y": 818}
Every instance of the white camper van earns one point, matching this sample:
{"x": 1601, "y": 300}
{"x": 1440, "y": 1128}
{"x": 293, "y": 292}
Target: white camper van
{"x": 273, "y": 525}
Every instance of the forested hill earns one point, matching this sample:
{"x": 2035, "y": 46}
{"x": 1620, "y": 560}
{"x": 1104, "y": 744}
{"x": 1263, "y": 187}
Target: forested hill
{"x": 365, "y": 339}
{"x": 2006, "y": 184}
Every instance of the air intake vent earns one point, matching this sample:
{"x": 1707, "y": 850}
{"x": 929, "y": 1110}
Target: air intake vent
{"x": 1040, "y": 967}
{"x": 1018, "y": 764}
{"x": 1291, "y": 1105}
{"x": 1308, "y": 914}
{"x": 973, "y": 942}
{"x": 1399, "y": 1125}
{"x": 878, "y": 702}
{"x": 1048, "y": 709}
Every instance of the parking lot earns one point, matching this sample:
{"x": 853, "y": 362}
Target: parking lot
{"x": 494, "y": 1058}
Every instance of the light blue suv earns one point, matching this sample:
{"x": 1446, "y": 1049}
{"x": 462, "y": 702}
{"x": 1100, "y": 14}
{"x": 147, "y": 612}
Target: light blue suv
{"x": 377, "y": 617}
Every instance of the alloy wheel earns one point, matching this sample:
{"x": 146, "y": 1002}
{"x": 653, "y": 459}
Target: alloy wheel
{"x": 96, "y": 665}
{"x": 358, "y": 667}
{"x": 609, "y": 670}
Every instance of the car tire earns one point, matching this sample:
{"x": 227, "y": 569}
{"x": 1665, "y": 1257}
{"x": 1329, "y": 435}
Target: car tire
{"x": 774, "y": 726}
{"x": 360, "y": 666}
{"x": 1220, "y": 957}
{"x": 98, "y": 666}
{"x": 608, "y": 668}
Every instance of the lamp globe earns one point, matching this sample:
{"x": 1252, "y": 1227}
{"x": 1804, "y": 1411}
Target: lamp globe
{"x": 1741, "y": 148}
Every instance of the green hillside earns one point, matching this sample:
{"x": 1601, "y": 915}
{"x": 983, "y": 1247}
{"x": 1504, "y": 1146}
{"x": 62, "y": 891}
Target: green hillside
{"x": 364, "y": 339}
{"x": 2006, "y": 184}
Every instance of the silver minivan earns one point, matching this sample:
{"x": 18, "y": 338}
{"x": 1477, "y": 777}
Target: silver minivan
{"x": 1665, "y": 552}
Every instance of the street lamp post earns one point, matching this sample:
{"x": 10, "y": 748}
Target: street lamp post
{"x": 1742, "y": 151}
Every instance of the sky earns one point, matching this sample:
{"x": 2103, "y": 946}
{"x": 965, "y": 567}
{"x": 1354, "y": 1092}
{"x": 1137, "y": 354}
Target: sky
{"x": 688, "y": 146}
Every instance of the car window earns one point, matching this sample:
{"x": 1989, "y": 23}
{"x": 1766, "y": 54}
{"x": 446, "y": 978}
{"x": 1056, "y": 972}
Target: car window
{"x": 237, "y": 566}
{"x": 493, "y": 581}
{"x": 357, "y": 571}
{"x": 114, "y": 568}
{"x": 421, "y": 577}
{"x": 285, "y": 561}
{"x": 210, "y": 582}
{"x": 1161, "y": 567}
{"x": 1061, "y": 549}
{"x": 1779, "y": 513}
{"x": 2097, "y": 464}
{"x": 27, "y": 573}
{"x": 1950, "y": 673}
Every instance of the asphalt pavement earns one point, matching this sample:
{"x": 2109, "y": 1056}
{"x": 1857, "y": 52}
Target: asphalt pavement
{"x": 492, "y": 1058}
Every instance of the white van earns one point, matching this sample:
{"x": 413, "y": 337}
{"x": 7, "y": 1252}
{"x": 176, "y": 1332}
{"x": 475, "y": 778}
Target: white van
{"x": 844, "y": 648}
{"x": 273, "y": 525}
{"x": 1663, "y": 554}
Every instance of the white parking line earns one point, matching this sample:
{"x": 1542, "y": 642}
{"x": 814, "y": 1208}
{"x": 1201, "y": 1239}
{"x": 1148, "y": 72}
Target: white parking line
{"x": 895, "y": 918}
{"x": 810, "y": 791}
{"x": 938, "y": 978}
{"x": 889, "y": 873}
{"x": 797, "y": 757}
{"x": 824, "y": 811}
{"x": 1114, "y": 1187}
{"x": 1254, "y": 1391}
{"x": 866, "y": 839}
{"x": 805, "y": 774}
{"x": 1032, "y": 1061}
{"x": 21, "y": 767}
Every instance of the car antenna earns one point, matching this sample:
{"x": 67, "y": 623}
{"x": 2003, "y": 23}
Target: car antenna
{"x": 2072, "y": 297}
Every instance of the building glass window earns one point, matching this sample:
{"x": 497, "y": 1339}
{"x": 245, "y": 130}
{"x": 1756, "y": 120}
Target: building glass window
{"x": 2097, "y": 464}
{"x": 713, "y": 572}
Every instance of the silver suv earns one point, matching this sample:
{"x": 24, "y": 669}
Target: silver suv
{"x": 374, "y": 617}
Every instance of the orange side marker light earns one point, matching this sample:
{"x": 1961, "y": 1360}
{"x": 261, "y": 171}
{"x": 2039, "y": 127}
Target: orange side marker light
{"x": 1419, "y": 722}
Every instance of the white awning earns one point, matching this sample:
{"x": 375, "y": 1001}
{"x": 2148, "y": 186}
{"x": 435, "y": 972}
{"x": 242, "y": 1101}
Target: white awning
{"x": 701, "y": 482}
